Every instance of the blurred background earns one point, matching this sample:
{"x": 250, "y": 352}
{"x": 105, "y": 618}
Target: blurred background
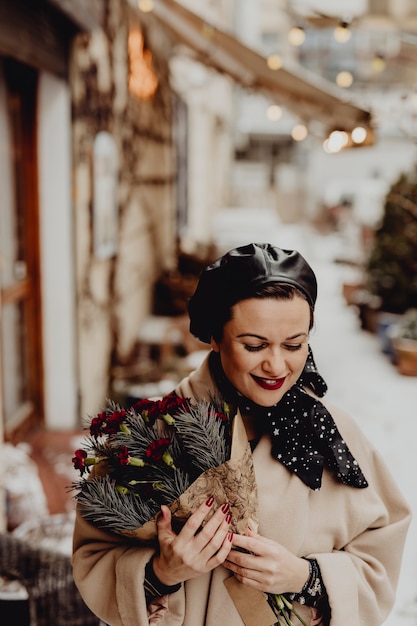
{"x": 139, "y": 140}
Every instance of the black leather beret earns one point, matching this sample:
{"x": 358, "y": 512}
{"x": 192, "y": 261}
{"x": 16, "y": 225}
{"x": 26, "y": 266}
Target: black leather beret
{"x": 238, "y": 275}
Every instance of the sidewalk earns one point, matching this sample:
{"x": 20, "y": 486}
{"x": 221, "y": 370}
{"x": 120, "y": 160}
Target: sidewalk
{"x": 364, "y": 383}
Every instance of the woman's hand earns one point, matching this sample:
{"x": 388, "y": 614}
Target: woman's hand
{"x": 269, "y": 567}
{"x": 191, "y": 553}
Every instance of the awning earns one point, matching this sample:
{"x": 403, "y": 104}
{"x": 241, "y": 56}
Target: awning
{"x": 305, "y": 94}
{"x": 40, "y": 34}
{"x": 85, "y": 14}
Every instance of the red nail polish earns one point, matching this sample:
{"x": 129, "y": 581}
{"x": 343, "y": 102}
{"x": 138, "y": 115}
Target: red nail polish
{"x": 225, "y": 507}
{"x": 228, "y": 518}
{"x": 210, "y": 501}
{"x": 230, "y": 536}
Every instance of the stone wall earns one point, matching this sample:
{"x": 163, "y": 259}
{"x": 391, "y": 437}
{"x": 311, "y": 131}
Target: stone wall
{"x": 114, "y": 294}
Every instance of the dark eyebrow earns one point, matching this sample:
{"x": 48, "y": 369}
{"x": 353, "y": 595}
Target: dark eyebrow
{"x": 252, "y": 335}
{"x": 266, "y": 338}
{"x": 298, "y": 335}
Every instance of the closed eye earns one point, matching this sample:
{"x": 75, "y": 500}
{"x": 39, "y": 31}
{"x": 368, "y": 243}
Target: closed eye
{"x": 293, "y": 347}
{"x": 255, "y": 348}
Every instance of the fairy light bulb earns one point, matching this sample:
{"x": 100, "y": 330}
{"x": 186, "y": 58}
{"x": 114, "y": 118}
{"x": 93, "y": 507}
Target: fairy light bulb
{"x": 274, "y": 113}
{"x": 296, "y": 36}
{"x": 331, "y": 146}
{"x": 299, "y": 132}
{"x": 274, "y": 62}
{"x": 146, "y": 6}
{"x": 344, "y": 79}
{"x": 326, "y": 147}
{"x": 342, "y": 33}
{"x": 378, "y": 63}
{"x": 359, "y": 134}
{"x": 338, "y": 139}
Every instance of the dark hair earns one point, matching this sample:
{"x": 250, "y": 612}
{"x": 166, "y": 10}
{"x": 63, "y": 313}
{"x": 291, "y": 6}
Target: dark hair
{"x": 241, "y": 274}
{"x": 279, "y": 291}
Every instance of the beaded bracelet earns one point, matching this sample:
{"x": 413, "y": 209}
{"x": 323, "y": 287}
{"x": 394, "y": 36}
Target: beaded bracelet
{"x": 313, "y": 590}
{"x": 153, "y": 586}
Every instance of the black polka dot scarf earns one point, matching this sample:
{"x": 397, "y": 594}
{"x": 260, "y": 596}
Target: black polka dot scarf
{"x": 304, "y": 435}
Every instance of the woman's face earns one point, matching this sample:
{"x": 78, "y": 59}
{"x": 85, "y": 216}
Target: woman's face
{"x": 264, "y": 347}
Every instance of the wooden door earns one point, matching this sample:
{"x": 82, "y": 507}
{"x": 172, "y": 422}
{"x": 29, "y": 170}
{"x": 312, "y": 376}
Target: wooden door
{"x": 21, "y": 338}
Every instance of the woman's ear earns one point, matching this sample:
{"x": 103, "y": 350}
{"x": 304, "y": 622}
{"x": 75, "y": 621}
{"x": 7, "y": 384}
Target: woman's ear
{"x": 214, "y": 345}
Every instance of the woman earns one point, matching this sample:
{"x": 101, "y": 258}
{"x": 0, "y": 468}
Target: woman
{"x": 332, "y": 522}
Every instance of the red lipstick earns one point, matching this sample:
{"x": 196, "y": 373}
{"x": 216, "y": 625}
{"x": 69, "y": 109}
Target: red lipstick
{"x": 269, "y": 383}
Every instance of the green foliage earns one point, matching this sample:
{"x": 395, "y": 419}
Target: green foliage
{"x": 408, "y": 325}
{"x": 392, "y": 263}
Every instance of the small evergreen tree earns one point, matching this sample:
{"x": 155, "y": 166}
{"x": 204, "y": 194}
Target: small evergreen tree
{"x": 392, "y": 263}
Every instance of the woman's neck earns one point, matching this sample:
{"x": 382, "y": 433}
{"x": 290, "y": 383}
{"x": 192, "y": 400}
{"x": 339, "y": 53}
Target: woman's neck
{"x": 251, "y": 427}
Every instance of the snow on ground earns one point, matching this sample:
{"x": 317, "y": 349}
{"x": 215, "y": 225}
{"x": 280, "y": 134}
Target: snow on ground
{"x": 363, "y": 382}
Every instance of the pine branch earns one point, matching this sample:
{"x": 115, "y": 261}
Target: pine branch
{"x": 404, "y": 203}
{"x": 107, "y": 508}
{"x": 203, "y": 435}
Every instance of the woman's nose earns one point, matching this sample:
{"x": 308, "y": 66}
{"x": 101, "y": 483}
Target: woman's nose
{"x": 274, "y": 362}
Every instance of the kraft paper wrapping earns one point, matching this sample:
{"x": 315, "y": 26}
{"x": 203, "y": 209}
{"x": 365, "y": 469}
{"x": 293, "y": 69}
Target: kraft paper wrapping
{"x": 251, "y": 604}
{"x": 232, "y": 482}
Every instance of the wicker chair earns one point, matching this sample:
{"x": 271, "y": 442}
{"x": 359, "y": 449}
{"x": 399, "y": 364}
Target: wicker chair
{"x": 47, "y": 576}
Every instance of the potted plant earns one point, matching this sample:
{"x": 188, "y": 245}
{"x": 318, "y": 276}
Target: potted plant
{"x": 405, "y": 343}
{"x": 392, "y": 263}
{"x": 391, "y": 267}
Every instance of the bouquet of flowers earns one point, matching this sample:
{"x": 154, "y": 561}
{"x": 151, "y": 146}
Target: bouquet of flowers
{"x": 170, "y": 451}
{"x": 167, "y": 451}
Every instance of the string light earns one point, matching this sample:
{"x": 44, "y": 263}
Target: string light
{"x": 274, "y": 62}
{"x": 326, "y": 146}
{"x": 342, "y": 33}
{"x": 299, "y": 132}
{"x": 378, "y": 63}
{"x": 146, "y": 6}
{"x": 296, "y": 36}
{"x": 338, "y": 139}
{"x": 274, "y": 112}
{"x": 344, "y": 79}
{"x": 359, "y": 134}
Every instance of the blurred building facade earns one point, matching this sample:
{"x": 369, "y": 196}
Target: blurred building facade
{"x": 87, "y": 213}
{"x": 36, "y": 225}
{"x": 89, "y": 160}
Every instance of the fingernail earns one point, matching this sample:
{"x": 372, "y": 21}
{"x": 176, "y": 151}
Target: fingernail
{"x": 225, "y": 507}
{"x": 210, "y": 501}
{"x": 228, "y": 518}
{"x": 230, "y": 536}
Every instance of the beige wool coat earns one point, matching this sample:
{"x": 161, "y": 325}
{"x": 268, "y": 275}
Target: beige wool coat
{"x": 356, "y": 535}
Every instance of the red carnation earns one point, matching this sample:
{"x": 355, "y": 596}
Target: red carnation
{"x": 123, "y": 456}
{"x": 96, "y": 426}
{"x": 107, "y": 423}
{"x": 172, "y": 403}
{"x": 149, "y": 409}
{"x": 79, "y": 460}
{"x": 156, "y": 449}
{"x": 113, "y": 422}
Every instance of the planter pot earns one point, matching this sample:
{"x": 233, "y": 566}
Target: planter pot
{"x": 387, "y": 325}
{"x": 367, "y": 317}
{"x": 406, "y": 356}
{"x": 350, "y": 292}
